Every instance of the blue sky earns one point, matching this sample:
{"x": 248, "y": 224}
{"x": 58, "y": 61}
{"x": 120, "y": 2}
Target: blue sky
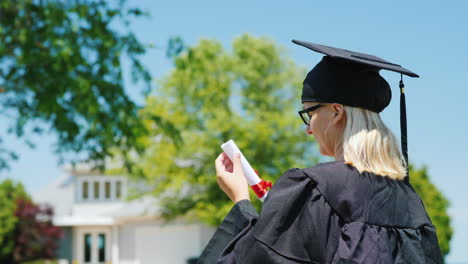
{"x": 427, "y": 37}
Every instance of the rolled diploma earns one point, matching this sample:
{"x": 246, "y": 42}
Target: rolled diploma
{"x": 230, "y": 148}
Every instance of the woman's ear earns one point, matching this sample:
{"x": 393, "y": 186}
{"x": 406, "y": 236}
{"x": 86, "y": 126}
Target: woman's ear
{"x": 338, "y": 113}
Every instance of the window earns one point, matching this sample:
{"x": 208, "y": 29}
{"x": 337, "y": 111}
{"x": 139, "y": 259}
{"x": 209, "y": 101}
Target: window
{"x": 118, "y": 189}
{"x": 84, "y": 190}
{"x": 87, "y": 247}
{"x": 107, "y": 187}
{"x": 102, "y": 247}
{"x": 94, "y": 248}
{"x": 100, "y": 189}
{"x": 96, "y": 190}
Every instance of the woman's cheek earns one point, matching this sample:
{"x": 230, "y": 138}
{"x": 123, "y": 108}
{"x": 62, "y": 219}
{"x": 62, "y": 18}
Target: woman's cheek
{"x": 321, "y": 140}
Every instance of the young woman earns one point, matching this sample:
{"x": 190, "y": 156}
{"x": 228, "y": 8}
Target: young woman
{"x": 356, "y": 209}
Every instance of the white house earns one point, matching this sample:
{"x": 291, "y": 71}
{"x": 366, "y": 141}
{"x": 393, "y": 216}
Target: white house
{"x": 100, "y": 226}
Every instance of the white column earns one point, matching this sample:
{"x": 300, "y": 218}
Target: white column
{"x": 101, "y": 189}
{"x": 77, "y": 244}
{"x": 112, "y": 188}
{"x": 94, "y": 247}
{"x": 115, "y": 244}
{"x": 124, "y": 187}
{"x": 79, "y": 192}
{"x": 90, "y": 190}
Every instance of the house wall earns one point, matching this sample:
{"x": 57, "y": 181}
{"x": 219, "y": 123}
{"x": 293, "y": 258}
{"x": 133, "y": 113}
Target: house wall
{"x": 155, "y": 242}
{"x": 127, "y": 243}
{"x": 65, "y": 245}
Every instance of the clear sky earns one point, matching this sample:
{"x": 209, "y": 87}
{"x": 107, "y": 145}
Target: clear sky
{"x": 427, "y": 37}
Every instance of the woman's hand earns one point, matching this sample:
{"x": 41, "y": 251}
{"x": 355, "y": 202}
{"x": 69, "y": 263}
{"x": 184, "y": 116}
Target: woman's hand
{"x": 231, "y": 178}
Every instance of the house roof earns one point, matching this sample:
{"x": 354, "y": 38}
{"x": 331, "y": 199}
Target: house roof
{"x": 59, "y": 194}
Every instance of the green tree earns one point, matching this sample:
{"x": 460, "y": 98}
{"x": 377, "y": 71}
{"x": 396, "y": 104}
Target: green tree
{"x": 436, "y": 206}
{"x": 61, "y": 71}
{"x": 248, "y": 94}
{"x": 10, "y": 193}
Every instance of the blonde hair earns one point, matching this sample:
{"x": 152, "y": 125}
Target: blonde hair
{"x": 370, "y": 146}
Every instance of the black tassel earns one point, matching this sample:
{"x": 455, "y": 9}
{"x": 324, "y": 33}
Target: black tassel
{"x": 404, "y": 133}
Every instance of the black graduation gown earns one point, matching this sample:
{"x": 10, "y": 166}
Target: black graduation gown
{"x": 329, "y": 213}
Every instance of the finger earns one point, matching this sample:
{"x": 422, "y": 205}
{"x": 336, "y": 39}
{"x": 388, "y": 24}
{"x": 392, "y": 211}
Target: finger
{"x": 219, "y": 165}
{"x": 220, "y": 158}
{"x": 237, "y": 161}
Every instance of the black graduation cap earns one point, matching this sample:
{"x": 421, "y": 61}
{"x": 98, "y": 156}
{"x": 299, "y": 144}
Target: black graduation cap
{"x": 353, "y": 79}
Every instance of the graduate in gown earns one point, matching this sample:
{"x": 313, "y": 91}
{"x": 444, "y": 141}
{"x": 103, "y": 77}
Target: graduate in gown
{"x": 360, "y": 208}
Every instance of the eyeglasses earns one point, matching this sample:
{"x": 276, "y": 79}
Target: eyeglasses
{"x": 304, "y": 114}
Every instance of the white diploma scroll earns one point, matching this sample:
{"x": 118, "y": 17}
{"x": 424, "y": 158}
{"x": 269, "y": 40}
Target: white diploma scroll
{"x": 230, "y": 148}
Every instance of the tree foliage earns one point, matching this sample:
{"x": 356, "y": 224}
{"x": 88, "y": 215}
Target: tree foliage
{"x": 436, "y": 206}
{"x": 35, "y": 235}
{"x": 248, "y": 94}
{"x": 26, "y": 229}
{"x": 61, "y": 71}
{"x": 10, "y": 192}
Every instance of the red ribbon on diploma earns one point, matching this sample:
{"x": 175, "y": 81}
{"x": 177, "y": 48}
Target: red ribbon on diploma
{"x": 261, "y": 188}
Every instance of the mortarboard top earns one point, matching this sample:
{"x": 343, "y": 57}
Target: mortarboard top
{"x": 357, "y": 57}
{"x": 351, "y": 78}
